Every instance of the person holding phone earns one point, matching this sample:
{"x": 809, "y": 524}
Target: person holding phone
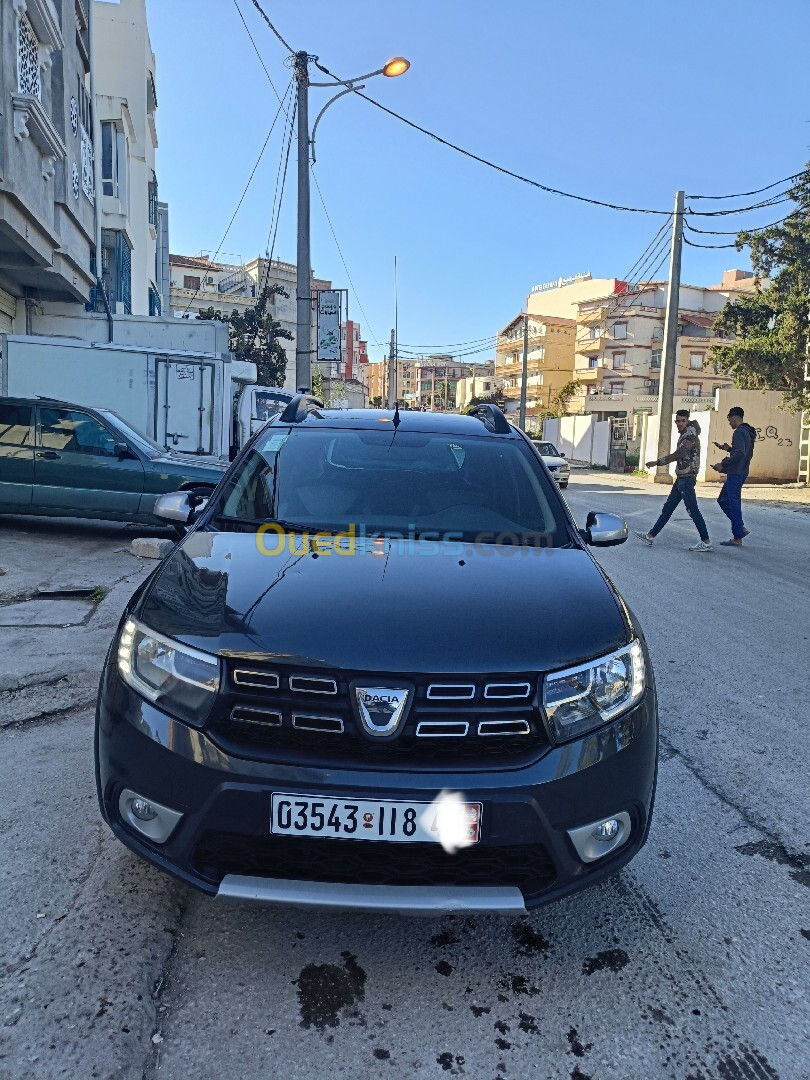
{"x": 735, "y": 467}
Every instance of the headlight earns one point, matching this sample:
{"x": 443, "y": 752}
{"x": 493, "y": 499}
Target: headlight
{"x": 180, "y": 679}
{"x": 583, "y": 698}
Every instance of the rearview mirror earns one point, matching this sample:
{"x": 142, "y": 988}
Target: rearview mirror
{"x": 604, "y": 530}
{"x": 178, "y": 506}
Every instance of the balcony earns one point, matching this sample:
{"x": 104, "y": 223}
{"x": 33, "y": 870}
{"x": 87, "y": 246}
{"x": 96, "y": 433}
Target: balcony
{"x": 586, "y": 374}
{"x": 589, "y": 345}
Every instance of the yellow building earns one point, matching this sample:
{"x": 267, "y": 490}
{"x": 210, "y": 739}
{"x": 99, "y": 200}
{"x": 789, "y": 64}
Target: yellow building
{"x": 550, "y": 361}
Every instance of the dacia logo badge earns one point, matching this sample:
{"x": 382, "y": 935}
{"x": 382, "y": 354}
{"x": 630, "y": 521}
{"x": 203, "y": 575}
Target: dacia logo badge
{"x": 380, "y": 708}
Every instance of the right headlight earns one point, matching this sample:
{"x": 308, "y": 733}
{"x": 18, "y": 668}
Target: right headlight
{"x": 581, "y": 699}
{"x": 177, "y": 678}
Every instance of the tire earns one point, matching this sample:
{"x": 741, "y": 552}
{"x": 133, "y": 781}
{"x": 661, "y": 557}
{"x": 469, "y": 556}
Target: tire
{"x": 563, "y": 483}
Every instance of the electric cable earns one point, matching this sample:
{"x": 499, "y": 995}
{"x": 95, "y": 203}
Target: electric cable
{"x": 264, "y": 15}
{"x": 256, "y": 49}
{"x": 238, "y": 206}
{"x": 342, "y": 259}
{"x": 776, "y": 200}
{"x": 450, "y": 345}
{"x": 736, "y": 232}
{"x": 271, "y": 247}
{"x": 743, "y": 194}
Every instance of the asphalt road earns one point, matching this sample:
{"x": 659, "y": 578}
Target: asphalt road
{"x": 691, "y": 964}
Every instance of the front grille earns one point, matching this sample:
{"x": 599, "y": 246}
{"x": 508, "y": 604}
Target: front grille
{"x": 305, "y": 717}
{"x": 529, "y": 867}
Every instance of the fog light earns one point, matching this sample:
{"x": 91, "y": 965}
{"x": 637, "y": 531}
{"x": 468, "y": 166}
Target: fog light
{"x": 606, "y": 830}
{"x": 600, "y": 838}
{"x": 147, "y": 816}
{"x": 142, "y": 809}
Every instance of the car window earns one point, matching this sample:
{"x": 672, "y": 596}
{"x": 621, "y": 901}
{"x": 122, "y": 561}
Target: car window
{"x": 74, "y": 433}
{"x": 143, "y": 442}
{"x": 15, "y": 424}
{"x": 546, "y": 449}
{"x": 394, "y": 482}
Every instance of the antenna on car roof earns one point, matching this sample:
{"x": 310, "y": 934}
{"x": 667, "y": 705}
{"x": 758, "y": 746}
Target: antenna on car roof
{"x": 492, "y": 418}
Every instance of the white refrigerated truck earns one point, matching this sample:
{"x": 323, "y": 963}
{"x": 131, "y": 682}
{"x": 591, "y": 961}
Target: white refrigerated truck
{"x": 181, "y": 397}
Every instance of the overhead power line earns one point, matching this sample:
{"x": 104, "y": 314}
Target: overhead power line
{"x": 776, "y": 200}
{"x": 451, "y": 345}
{"x": 266, "y": 18}
{"x": 743, "y": 194}
{"x": 238, "y": 205}
{"x": 736, "y": 232}
{"x": 256, "y": 50}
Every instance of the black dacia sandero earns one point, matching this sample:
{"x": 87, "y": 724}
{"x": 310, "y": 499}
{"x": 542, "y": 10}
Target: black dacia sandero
{"x": 381, "y": 671}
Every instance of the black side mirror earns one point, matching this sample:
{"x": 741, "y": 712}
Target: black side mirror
{"x": 121, "y": 450}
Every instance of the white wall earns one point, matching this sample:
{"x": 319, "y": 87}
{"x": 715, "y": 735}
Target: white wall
{"x": 580, "y": 438}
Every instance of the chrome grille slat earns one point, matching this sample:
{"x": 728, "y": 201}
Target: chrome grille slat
{"x": 504, "y": 727}
{"x": 445, "y": 691}
{"x": 442, "y": 729}
{"x": 329, "y": 725}
{"x": 506, "y": 691}
{"x": 265, "y": 680}
{"x": 312, "y": 684}
{"x": 246, "y": 714}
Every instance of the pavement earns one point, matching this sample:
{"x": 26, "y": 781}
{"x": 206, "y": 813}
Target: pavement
{"x": 691, "y": 963}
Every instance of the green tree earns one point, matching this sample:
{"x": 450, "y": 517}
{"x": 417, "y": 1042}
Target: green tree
{"x": 317, "y": 381}
{"x": 558, "y": 406}
{"x": 256, "y": 336}
{"x": 769, "y": 327}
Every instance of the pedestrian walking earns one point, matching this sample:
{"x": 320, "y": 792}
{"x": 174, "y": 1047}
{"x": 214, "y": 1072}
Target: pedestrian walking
{"x": 735, "y": 467}
{"x": 687, "y": 465}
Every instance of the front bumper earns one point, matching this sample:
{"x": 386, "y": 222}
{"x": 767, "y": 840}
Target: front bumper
{"x": 222, "y": 844}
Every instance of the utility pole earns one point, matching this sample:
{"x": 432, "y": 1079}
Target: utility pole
{"x": 522, "y": 414}
{"x": 669, "y": 366}
{"x": 392, "y": 372}
{"x": 303, "y": 288}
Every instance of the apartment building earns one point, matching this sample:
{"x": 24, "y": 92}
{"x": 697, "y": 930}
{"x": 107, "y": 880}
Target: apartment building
{"x": 134, "y": 234}
{"x": 620, "y": 341}
{"x": 482, "y": 383}
{"x": 550, "y": 362}
{"x": 47, "y": 194}
{"x": 197, "y": 283}
{"x": 353, "y": 350}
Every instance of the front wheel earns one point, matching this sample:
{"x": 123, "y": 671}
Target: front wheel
{"x": 563, "y": 483}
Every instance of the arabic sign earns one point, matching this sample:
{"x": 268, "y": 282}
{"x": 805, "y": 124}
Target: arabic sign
{"x": 328, "y": 325}
{"x": 560, "y": 282}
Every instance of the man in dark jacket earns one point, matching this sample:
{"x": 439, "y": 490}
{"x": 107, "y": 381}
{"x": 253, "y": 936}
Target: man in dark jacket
{"x": 735, "y": 467}
{"x": 687, "y": 459}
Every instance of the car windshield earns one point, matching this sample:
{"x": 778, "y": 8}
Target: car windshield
{"x": 143, "y": 442}
{"x": 546, "y": 449}
{"x": 428, "y": 485}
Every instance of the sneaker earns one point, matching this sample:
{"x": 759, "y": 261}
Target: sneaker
{"x": 731, "y": 543}
{"x": 645, "y": 538}
{"x": 746, "y": 532}
{"x": 704, "y": 545}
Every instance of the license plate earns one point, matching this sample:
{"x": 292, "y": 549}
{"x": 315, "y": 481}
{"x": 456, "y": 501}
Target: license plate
{"x": 373, "y": 819}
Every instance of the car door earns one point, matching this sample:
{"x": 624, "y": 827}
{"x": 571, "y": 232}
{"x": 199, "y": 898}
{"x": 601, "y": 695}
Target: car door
{"x": 77, "y": 470}
{"x": 16, "y": 455}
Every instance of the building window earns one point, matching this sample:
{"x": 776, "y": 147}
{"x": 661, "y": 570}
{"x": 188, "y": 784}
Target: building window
{"x": 658, "y": 333}
{"x": 620, "y": 330}
{"x": 696, "y": 361}
{"x": 655, "y": 386}
{"x": 28, "y": 79}
{"x": 596, "y": 333}
{"x": 655, "y": 358}
{"x": 191, "y": 282}
{"x": 593, "y": 363}
{"x": 88, "y": 180}
{"x": 619, "y": 360}
{"x": 693, "y": 389}
{"x": 153, "y": 201}
{"x": 116, "y": 268}
{"x": 616, "y": 389}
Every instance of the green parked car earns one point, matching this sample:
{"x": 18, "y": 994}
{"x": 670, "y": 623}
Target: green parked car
{"x": 71, "y": 461}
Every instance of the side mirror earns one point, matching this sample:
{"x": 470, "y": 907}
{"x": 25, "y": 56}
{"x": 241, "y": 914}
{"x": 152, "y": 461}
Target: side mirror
{"x": 178, "y": 506}
{"x": 604, "y": 530}
{"x": 121, "y": 450}
{"x": 562, "y": 455}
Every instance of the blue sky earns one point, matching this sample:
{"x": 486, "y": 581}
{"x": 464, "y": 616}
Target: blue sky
{"x": 620, "y": 102}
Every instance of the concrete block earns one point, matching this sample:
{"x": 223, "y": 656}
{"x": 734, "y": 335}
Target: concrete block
{"x": 151, "y": 547}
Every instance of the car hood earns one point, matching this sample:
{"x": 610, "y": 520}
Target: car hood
{"x": 556, "y": 461}
{"x": 193, "y": 461}
{"x": 441, "y": 608}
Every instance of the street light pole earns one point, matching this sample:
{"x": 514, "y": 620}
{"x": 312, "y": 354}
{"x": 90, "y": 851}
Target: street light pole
{"x": 304, "y": 352}
{"x": 303, "y": 285}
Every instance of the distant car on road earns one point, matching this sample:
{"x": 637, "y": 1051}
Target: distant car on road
{"x": 555, "y": 461}
{"x": 70, "y": 461}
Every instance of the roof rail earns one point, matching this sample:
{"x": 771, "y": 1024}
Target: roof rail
{"x": 299, "y": 408}
{"x": 492, "y": 418}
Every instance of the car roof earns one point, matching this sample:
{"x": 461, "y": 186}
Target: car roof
{"x": 35, "y": 400}
{"x": 409, "y": 420}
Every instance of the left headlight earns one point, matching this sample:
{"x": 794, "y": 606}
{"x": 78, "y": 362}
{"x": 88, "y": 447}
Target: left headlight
{"x": 182, "y": 680}
{"x": 584, "y": 698}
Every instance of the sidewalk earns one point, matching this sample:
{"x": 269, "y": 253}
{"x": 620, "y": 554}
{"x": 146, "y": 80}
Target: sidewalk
{"x": 795, "y": 496}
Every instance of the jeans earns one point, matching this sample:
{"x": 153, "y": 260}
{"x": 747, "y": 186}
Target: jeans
{"x": 730, "y": 502}
{"x": 683, "y": 490}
